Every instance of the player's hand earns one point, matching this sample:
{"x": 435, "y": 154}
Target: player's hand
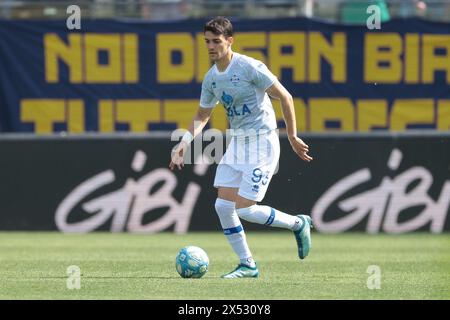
{"x": 300, "y": 148}
{"x": 177, "y": 156}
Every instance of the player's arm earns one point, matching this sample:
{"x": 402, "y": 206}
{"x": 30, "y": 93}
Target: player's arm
{"x": 201, "y": 118}
{"x": 279, "y": 92}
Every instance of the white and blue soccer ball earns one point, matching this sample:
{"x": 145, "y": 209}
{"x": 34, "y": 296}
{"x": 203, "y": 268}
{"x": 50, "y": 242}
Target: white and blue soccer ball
{"x": 192, "y": 262}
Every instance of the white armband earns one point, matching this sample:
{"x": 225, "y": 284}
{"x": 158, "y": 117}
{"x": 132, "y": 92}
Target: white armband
{"x": 187, "y": 137}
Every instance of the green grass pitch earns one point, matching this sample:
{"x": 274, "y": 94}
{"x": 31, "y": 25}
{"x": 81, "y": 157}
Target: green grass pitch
{"x": 132, "y": 266}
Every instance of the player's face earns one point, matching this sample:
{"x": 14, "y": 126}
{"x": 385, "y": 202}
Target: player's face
{"x": 218, "y": 46}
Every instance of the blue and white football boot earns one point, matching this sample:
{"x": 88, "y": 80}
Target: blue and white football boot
{"x": 303, "y": 236}
{"x": 242, "y": 271}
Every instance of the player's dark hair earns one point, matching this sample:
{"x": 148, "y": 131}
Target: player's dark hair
{"x": 218, "y": 26}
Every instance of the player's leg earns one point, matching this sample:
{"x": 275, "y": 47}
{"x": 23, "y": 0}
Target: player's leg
{"x": 261, "y": 214}
{"x": 256, "y": 177}
{"x": 255, "y": 181}
{"x": 227, "y": 179}
{"x": 233, "y": 230}
{"x": 250, "y": 211}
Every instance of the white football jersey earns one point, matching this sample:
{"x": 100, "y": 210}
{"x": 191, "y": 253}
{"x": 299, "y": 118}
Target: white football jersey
{"x": 241, "y": 89}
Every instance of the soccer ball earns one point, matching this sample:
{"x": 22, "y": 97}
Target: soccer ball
{"x": 192, "y": 262}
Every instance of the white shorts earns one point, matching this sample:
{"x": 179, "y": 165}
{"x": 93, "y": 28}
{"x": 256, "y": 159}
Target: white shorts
{"x": 249, "y": 164}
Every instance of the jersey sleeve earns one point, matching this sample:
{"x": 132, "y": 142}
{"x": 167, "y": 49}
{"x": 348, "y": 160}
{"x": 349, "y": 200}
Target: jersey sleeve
{"x": 207, "y": 97}
{"x": 261, "y": 75}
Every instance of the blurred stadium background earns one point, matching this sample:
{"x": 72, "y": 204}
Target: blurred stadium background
{"x": 86, "y": 117}
{"x": 161, "y": 10}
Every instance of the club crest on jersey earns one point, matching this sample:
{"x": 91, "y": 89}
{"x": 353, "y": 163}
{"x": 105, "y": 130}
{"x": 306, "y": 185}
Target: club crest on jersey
{"x": 234, "y": 80}
{"x": 213, "y": 85}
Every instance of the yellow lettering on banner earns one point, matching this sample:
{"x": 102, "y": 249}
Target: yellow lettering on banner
{"x": 43, "y": 113}
{"x": 411, "y": 111}
{"x": 131, "y": 60}
{"x": 103, "y": 73}
{"x": 443, "y": 119}
{"x": 106, "y": 116}
{"x": 433, "y": 62}
{"x": 412, "y": 65}
{"x": 251, "y": 44}
{"x": 70, "y": 53}
{"x": 166, "y": 44}
{"x": 299, "y": 109}
{"x": 219, "y": 119}
{"x": 180, "y": 111}
{"x": 372, "y": 113}
{"x": 374, "y": 55}
{"x": 334, "y": 53}
{"x": 138, "y": 113}
{"x": 203, "y": 62}
{"x": 294, "y": 60}
{"x": 326, "y": 109}
{"x": 75, "y": 112}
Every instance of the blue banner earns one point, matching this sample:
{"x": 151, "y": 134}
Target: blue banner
{"x": 135, "y": 76}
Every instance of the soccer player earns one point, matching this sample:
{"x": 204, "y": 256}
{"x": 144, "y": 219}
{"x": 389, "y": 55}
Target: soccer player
{"x": 244, "y": 85}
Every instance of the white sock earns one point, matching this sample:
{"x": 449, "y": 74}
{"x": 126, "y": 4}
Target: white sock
{"x": 233, "y": 230}
{"x": 270, "y": 217}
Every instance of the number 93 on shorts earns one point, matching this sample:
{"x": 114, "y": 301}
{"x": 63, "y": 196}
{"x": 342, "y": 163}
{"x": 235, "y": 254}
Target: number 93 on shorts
{"x": 250, "y": 176}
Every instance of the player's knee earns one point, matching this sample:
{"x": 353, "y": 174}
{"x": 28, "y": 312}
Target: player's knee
{"x": 246, "y": 213}
{"x": 224, "y": 207}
